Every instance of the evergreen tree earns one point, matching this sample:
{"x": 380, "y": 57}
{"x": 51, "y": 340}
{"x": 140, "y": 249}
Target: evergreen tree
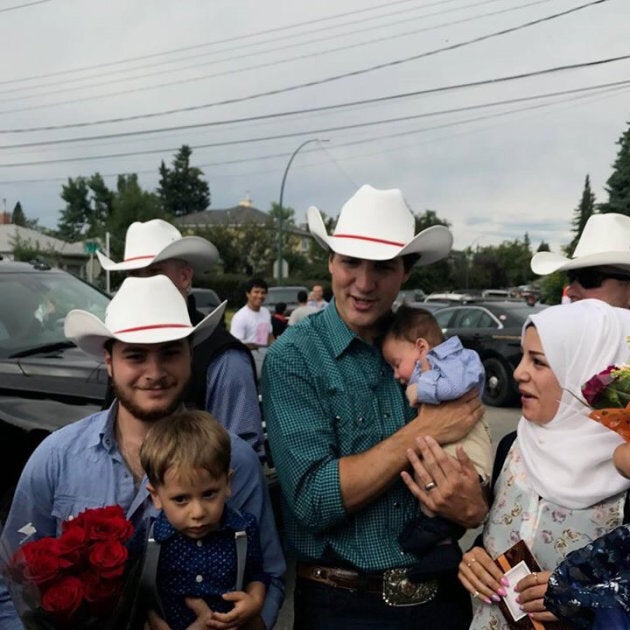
{"x": 18, "y": 218}
{"x": 618, "y": 184}
{"x": 74, "y": 219}
{"x": 182, "y": 189}
{"x": 582, "y": 214}
{"x": 543, "y": 247}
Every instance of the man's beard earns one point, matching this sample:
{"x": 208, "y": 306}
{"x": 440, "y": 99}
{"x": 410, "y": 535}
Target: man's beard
{"x": 141, "y": 414}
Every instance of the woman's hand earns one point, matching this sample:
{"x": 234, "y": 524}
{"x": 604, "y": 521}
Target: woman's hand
{"x": 481, "y": 577}
{"x": 531, "y": 594}
{"x": 444, "y": 485}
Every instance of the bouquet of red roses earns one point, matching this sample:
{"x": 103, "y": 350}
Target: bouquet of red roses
{"x": 75, "y": 580}
{"x": 608, "y": 394}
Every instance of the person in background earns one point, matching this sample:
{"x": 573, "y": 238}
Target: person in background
{"x": 186, "y": 457}
{"x": 146, "y": 343}
{"x": 317, "y": 297}
{"x": 303, "y": 309}
{"x": 279, "y": 321}
{"x": 340, "y": 429}
{"x": 251, "y": 324}
{"x": 600, "y": 265}
{"x": 224, "y": 372}
{"x": 556, "y": 487}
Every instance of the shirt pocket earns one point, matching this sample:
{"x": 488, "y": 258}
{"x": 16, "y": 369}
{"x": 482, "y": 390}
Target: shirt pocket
{"x": 354, "y": 421}
{"x": 69, "y": 506}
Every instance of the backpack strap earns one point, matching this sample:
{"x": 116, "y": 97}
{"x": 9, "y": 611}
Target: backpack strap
{"x": 148, "y": 581}
{"x": 240, "y": 539}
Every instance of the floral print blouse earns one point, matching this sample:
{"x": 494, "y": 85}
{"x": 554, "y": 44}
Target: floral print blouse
{"x": 549, "y": 530}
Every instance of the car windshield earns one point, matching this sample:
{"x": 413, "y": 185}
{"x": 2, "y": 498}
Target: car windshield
{"x": 33, "y": 305}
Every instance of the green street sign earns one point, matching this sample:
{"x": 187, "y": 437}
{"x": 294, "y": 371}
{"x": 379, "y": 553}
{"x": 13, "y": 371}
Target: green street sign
{"x": 90, "y": 247}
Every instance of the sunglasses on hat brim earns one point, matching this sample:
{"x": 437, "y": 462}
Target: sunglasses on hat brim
{"x": 593, "y": 277}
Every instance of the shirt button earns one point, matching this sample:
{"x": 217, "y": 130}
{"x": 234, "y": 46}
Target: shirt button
{"x": 386, "y": 415}
{"x": 396, "y": 504}
{"x": 199, "y": 578}
{"x": 199, "y": 543}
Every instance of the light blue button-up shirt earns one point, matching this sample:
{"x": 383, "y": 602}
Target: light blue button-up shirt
{"x": 80, "y": 467}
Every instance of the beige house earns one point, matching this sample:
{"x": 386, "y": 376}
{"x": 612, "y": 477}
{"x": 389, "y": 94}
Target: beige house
{"x": 68, "y": 256}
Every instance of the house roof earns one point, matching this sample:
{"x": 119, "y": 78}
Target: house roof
{"x": 10, "y": 232}
{"x": 237, "y": 215}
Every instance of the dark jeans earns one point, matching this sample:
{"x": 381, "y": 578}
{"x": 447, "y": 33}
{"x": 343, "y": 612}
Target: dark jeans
{"x": 320, "y": 607}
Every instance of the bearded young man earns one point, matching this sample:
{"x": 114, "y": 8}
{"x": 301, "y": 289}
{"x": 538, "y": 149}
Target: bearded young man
{"x": 146, "y": 342}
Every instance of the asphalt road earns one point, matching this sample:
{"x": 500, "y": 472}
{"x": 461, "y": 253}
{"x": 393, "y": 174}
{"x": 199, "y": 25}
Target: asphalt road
{"x": 500, "y": 421}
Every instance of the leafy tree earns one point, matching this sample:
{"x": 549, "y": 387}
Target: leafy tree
{"x": 18, "y": 218}
{"x": 318, "y": 256}
{"x": 182, "y": 189}
{"x": 129, "y": 203}
{"x": 102, "y": 199}
{"x": 618, "y": 184}
{"x": 438, "y": 275}
{"x": 582, "y": 214}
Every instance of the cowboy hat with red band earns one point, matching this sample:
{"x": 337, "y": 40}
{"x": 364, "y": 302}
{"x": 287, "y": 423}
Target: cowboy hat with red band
{"x": 156, "y": 240}
{"x": 378, "y": 225}
{"x": 605, "y": 241}
{"x": 144, "y": 310}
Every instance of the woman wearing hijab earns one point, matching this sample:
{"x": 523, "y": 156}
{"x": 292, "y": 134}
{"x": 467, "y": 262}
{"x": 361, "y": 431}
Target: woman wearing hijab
{"x": 557, "y": 488}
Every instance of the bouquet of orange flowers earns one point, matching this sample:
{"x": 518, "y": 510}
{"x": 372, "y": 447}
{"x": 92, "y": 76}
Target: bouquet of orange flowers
{"x": 76, "y": 580}
{"x": 608, "y": 394}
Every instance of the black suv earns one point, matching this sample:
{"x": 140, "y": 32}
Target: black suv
{"x": 45, "y": 381}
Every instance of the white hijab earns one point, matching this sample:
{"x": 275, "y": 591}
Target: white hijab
{"x": 569, "y": 459}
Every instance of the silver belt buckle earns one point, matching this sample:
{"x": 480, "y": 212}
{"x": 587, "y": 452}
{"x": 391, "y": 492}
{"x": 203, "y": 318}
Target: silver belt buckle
{"x": 398, "y": 590}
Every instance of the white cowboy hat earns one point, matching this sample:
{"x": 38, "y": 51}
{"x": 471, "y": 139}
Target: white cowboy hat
{"x": 144, "y": 310}
{"x": 378, "y": 225}
{"x": 157, "y": 240}
{"x": 605, "y": 240}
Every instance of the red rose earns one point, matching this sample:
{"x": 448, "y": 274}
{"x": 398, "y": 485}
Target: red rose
{"x": 596, "y": 385}
{"x": 39, "y": 561}
{"x": 108, "y": 558}
{"x": 63, "y": 598}
{"x": 107, "y": 523}
{"x": 72, "y": 544}
{"x": 98, "y": 589}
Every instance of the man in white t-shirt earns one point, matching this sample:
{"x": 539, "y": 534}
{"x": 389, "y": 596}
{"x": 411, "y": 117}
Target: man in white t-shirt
{"x": 252, "y": 323}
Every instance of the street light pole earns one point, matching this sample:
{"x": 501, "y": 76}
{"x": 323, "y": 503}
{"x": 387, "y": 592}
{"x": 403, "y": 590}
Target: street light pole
{"x": 281, "y": 218}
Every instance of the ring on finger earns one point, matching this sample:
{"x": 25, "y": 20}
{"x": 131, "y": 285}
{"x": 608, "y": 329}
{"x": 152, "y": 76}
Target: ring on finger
{"x": 469, "y": 564}
{"x": 476, "y": 595}
{"x": 429, "y": 486}
{"x": 535, "y": 577}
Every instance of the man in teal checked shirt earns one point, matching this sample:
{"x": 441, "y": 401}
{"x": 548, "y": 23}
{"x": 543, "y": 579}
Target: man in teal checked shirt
{"x": 340, "y": 429}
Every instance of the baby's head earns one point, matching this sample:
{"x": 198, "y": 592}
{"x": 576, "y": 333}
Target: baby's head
{"x": 186, "y": 457}
{"x": 413, "y": 332}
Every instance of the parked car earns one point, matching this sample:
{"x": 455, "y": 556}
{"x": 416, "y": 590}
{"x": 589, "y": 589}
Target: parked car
{"x": 410, "y": 297}
{"x": 286, "y": 294}
{"x": 450, "y": 297}
{"x": 206, "y": 300}
{"x": 45, "y": 381}
{"x": 493, "y": 329}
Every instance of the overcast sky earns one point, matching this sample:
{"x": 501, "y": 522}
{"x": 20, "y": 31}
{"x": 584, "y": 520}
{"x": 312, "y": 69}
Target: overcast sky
{"x": 101, "y": 72}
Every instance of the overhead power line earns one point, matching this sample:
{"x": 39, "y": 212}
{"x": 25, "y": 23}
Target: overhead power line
{"x": 23, "y": 6}
{"x": 370, "y": 101}
{"x": 331, "y": 129}
{"x": 100, "y": 82}
{"x": 316, "y": 82}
